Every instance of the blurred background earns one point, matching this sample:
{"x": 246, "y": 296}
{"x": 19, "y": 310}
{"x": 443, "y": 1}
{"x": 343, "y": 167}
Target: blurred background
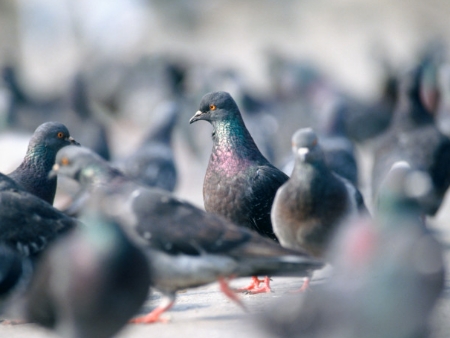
{"x": 113, "y": 63}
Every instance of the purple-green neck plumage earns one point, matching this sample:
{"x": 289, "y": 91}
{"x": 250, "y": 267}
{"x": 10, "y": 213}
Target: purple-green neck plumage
{"x": 233, "y": 146}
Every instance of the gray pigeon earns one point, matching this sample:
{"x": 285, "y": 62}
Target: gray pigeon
{"x": 389, "y": 273}
{"x": 153, "y": 163}
{"x": 27, "y": 223}
{"x": 32, "y": 174}
{"x": 338, "y": 149}
{"x": 90, "y": 283}
{"x": 309, "y": 207}
{"x": 414, "y": 137}
{"x": 188, "y": 246}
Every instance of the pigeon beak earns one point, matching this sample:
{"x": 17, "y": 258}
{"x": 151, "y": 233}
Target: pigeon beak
{"x": 196, "y": 117}
{"x": 302, "y": 152}
{"x": 54, "y": 171}
{"x": 72, "y": 141}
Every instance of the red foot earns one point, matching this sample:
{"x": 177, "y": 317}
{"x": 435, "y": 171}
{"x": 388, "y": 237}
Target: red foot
{"x": 253, "y": 285}
{"x": 263, "y": 289}
{"x": 154, "y": 316}
{"x": 224, "y": 287}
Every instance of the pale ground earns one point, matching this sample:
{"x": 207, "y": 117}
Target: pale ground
{"x": 206, "y": 312}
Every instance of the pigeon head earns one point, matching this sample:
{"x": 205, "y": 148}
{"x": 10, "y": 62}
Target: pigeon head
{"x": 51, "y": 136}
{"x": 402, "y": 190}
{"x": 305, "y": 146}
{"x": 80, "y": 164}
{"x": 215, "y": 107}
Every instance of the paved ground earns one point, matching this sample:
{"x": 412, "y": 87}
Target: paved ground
{"x": 206, "y": 312}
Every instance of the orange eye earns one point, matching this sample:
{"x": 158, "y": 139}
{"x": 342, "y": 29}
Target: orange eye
{"x": 212, "y": 107}
{"x": 60, "y": 134}
{"x": 65, "y": 161}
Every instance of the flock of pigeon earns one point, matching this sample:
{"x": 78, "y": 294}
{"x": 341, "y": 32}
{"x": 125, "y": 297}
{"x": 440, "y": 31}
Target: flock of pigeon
{"x": 85, "y": 271}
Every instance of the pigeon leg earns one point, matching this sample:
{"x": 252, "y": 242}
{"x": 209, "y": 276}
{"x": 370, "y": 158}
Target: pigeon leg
{"x": 253, "y": 285}
{"x": 263, "y": 289}
{"x": 225, "y": 288}
{"x": 304, "y": 287}
{"x": 155, "y": 315}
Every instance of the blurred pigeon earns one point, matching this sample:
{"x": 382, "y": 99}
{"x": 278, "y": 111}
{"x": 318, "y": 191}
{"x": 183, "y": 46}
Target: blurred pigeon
{"x": 388, "y": 276}
{"x": 91, "y": 130}
{"x": 443, "y": 109}
{"x": 24, "y": 109}
{"x": 32, "y": 174}
{"x": 414, "y": 137}
{"x": 28, "y": 223}
{"x": 240, "y": 184}
{"x": 90, "y": 283}
{"x": 188, "y": 246}
{"x": 73, "y": 109}
{"x": 365, "y": 121}
{"x": 152, "y": 164}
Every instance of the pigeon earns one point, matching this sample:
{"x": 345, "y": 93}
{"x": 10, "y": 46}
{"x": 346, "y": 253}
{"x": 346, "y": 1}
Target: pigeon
{"x": 414, "y": 137}
{"x": 90, "y": 283}
{"x": 311, "y": 205}
{"x": 240, "y": 184}
{"x": 389, "y": 273}
{"x": 86, "y": 119}
{"x": 32, "y": 174}
{"x": 153, "y": 164}
{"x": 189, "y": 247}
{"x": 338, "y": 149}
{"x": 27, "y": 223}
{"x": 72, "y": 108}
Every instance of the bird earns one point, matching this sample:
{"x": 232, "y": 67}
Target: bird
{"x": 314, "y": 200}
{"x": 389, "y": 273}
{"x": 414, "y": 137}
{"x": 89, "y": 283}
{"x": 73, "y": 108}
{"x": 188, "y": 246}
{"x": 32, "y": 173}
{"x": 338, "y": 149}
{"x": 85, "y": 118}
{"x": 27, "y": 223}
{"x": 240, "y": 183}
{"x": 311, "y": 205}
{"x": 153, "y": 163}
